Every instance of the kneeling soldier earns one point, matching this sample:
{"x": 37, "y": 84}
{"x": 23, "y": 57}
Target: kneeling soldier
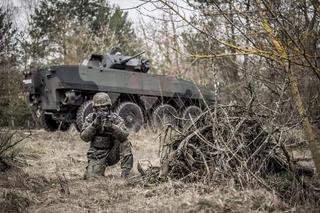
{"x": 108, "y": 138}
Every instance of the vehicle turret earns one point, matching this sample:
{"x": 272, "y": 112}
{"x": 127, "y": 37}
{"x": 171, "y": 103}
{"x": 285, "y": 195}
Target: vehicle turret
{"x": 119, "y": 61}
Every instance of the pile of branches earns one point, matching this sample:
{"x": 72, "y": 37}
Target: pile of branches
{"x": 224, "y": 142}
{"x": 233, "y": 146}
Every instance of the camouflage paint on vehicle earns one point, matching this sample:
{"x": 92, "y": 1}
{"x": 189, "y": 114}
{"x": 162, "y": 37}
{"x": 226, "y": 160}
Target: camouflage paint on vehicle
{"x": 61, "y": 89}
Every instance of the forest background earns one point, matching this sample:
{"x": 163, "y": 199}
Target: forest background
{"x": 246, "y": 49}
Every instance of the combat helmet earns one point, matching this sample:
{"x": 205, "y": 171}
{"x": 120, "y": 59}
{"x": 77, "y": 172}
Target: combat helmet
{"x": 101, "y": 99}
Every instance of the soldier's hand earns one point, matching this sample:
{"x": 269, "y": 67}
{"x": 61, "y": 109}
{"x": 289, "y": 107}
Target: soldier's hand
{"x": 97, "y": 121}
{"x": 119, "y": 133}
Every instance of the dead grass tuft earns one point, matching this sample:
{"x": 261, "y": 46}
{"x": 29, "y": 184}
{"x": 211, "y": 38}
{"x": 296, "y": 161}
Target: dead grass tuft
{"x": 9, "y": 141}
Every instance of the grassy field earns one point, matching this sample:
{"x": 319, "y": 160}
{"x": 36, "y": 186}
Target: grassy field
{"x": 50, "y": 179}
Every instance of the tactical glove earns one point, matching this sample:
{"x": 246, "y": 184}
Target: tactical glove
{"x": 97, "y": 121}
{"x": 119, "y": 133}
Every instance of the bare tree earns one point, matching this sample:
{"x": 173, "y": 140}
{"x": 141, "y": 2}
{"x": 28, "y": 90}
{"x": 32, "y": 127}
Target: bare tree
{"x": 283, "y": 36}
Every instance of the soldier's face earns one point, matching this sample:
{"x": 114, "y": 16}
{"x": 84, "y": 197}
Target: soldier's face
{"x": 102, "y": 109}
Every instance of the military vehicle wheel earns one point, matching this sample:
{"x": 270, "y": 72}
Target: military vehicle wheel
{"x": 132, "y": 115}
{"x": 191, "y": 112}
{"x": 164, "y": 115}
{"x": 84, "y": 110}
{"x": 51, "y": 125}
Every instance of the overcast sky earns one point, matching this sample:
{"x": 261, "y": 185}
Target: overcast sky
{"x": 135, "y": 9}
{"x": 127, "y": 4}
{"x": 140, "y": 10}
{"x": 132, "y": 7}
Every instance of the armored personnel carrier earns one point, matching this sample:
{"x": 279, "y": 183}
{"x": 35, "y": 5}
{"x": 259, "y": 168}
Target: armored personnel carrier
{"x": 62, "y": 94}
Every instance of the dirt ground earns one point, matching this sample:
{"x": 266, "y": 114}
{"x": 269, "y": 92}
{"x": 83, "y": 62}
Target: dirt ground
{"x": 50, "y": 179}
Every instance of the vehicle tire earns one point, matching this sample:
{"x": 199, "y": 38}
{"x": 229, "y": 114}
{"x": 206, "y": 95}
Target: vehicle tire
{"x": 164, "y": 115}
{"x": 191, "y": 111}
{"x": 84, "y": 110}
{"x": 132, "y": 115}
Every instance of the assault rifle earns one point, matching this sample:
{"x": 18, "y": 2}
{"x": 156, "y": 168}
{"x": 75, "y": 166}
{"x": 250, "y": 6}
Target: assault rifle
{"x": 107, "y": 123}
{"x": 105, "y": 118}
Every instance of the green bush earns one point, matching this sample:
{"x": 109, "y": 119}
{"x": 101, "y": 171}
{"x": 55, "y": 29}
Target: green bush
{"x": 17, "y": 115}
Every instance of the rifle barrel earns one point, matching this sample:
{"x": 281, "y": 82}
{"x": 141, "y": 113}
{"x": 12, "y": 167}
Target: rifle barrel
{"x": 128, "y": 59}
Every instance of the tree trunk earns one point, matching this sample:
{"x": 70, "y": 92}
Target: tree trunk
{"x": 309, "y": 129}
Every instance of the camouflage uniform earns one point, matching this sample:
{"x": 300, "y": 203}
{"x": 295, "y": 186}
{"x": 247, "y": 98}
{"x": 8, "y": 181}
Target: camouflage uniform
{"x": 107, "y": 146}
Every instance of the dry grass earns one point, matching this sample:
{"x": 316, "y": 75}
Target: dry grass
{"x": 53, "y": 158}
